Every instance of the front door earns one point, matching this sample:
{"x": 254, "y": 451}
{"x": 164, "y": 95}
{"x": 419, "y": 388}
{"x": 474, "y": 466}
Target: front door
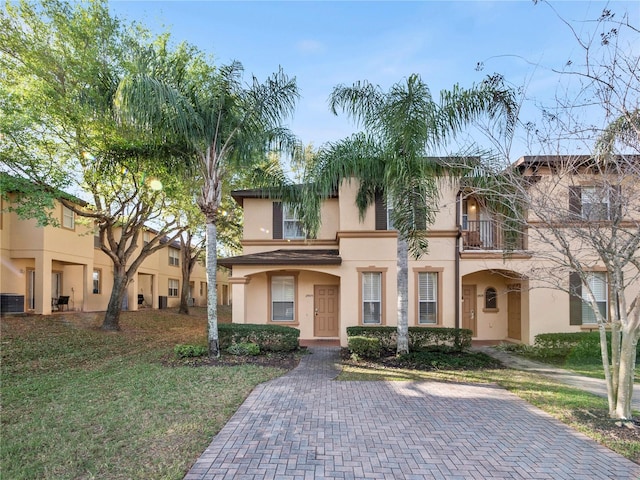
{"x": 325, "y": 305}
{"x": 513, "y": 315}
{"x": 469, "y": 307}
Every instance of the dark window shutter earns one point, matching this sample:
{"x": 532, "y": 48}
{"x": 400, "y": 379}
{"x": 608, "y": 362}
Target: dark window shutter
{"x": 575, "y": 299}
{"x": 380, "y": 211}
{"x": 277, "y": 220}
{"x": 575, "y": 200}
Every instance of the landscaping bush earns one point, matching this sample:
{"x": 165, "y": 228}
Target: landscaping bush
{"x": 446, "y": 360}
{"x": 249, "y": 349}
{"x": 190, "y": 351}
{"x": 578, "y": 348}
{"x": 365, "y": 347}
{"x": 454, "y": 339}
{"x": 269, "y": 338}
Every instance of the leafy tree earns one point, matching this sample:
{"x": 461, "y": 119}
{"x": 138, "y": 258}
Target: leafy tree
{"x": 581, "y": 211}
{"x": 402, "y": 128}
{"x": 61, "y": 66}
{"x": 221, "y": 124}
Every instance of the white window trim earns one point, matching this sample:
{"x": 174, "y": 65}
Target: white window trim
{"x": 433, "y": 296}
{"x": 601, "y": 297}
{"x": 286, "y": 282}
{"x": 291, "y": 223}
{"x": 68, "y": 218}
{"x": 174, "y": 257}
{"x": 370, "y": 297}
{"x": 174, "y": 288}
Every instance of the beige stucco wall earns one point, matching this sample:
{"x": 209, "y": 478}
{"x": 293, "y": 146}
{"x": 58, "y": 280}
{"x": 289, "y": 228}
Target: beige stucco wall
{"x": 46, "y": 250}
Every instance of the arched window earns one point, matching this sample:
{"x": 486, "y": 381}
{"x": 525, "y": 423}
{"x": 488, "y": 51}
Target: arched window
{"x": 490, "y": 299}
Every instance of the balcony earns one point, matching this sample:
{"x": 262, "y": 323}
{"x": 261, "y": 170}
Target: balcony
{"x": 489, "y": 235}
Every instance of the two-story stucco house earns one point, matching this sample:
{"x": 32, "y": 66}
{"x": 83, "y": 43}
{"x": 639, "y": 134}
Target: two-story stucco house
{"x": 347, "y": 275}
{"x": 41, "y": 265}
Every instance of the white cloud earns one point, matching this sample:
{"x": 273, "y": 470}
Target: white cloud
{"x": 310, "y": 46}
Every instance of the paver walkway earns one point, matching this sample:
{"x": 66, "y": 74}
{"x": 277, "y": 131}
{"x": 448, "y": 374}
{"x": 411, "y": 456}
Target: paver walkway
{"x": 304, "y": 425}
{"x": 596, "y": 386}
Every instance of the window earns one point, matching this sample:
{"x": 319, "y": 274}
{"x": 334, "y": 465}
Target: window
{"x": 68, "y": 218}
{"x": 597, "y": 283}
{"x": 97, "y": 281}
{"x": 174, "y": 257}
{"x": 371, "y": 297}
{"x": 283, "y": 298}
{"x": 580, "y": 309}
{"x": 490, "y": 299}
{"x": 291, "y": 226}
{"x": 146, "y": 237}
{"x": 595, "y": 202}
{"x": 427, "y": 297}
{"x": 203, "y": 289}
{"x": 174, "y": 286}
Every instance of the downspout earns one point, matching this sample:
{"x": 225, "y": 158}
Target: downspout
{"x": 457, "y": 261}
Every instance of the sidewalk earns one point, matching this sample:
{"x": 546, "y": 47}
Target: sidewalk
{"x": 306, "y": 425}
{"x": 592, "y": 385}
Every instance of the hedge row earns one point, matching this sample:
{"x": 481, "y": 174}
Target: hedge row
{"x": 575, "y": 347}
{"x": 456, "y": 339}
{"x": 270, "y": 338}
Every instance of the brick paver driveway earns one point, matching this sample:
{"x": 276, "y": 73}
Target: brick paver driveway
{"x": 305, "y": 425}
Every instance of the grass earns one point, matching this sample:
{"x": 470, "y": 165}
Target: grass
{"x": 582, "y": 411}
{"x": 81, "y": 403}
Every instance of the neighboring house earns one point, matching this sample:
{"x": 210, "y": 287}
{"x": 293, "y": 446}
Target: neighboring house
{"x": 39, "y": 265}
{"x": 347, "y": 275}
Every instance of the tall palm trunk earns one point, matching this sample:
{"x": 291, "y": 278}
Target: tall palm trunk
{"x": 403, "y": 295}
{"x": 212, "y": 295}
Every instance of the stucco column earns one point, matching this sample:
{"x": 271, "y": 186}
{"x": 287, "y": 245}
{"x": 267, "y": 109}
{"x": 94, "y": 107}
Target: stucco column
{"x": 239, "y": 304}
{"x": 43, "y": 284}
{"x": 154, "y": 291}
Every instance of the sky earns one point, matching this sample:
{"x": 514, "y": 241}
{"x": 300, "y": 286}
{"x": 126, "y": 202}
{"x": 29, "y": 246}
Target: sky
{"x": 327, "y": 43}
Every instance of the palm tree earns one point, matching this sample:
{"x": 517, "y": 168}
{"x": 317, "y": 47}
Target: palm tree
{"x": 220, "y": 124}
{"x": 402, "y": 127}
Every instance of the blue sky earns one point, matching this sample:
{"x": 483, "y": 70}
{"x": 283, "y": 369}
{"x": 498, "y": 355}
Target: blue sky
{"x": 325, "y": 43}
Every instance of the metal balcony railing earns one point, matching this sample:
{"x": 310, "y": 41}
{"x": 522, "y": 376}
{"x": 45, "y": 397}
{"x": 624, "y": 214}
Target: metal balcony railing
{"x": 488, "y": 235}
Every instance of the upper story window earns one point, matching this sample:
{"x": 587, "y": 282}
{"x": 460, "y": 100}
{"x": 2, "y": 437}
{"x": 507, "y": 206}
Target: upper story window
{"x": 594, "y": 202}
{"x": 146, "y": 237}
{"x": 291, "y": 226}
{"x": 174, "y": 256}
{"x": 68, "y": 218}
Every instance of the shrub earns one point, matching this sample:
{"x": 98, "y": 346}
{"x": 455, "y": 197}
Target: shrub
{"x": 365, "y": 347}
{"x": 439, "y": 360}
{"x": 189, "y": 351}
{"x": 453, "y": 339}
{"x": 269, "y": 338}
{"x": 244, "y": 349}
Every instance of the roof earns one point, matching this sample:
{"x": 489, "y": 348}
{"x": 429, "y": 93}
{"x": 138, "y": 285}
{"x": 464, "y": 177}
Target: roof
{"x": 240, "y": 195}
{"x": 285, "y": 257}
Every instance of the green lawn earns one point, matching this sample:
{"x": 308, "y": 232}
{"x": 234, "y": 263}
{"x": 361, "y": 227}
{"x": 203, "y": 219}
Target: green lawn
{"x": 81, "y": 403}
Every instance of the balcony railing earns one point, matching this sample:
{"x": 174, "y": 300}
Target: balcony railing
{"x": 488, "y": 235}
